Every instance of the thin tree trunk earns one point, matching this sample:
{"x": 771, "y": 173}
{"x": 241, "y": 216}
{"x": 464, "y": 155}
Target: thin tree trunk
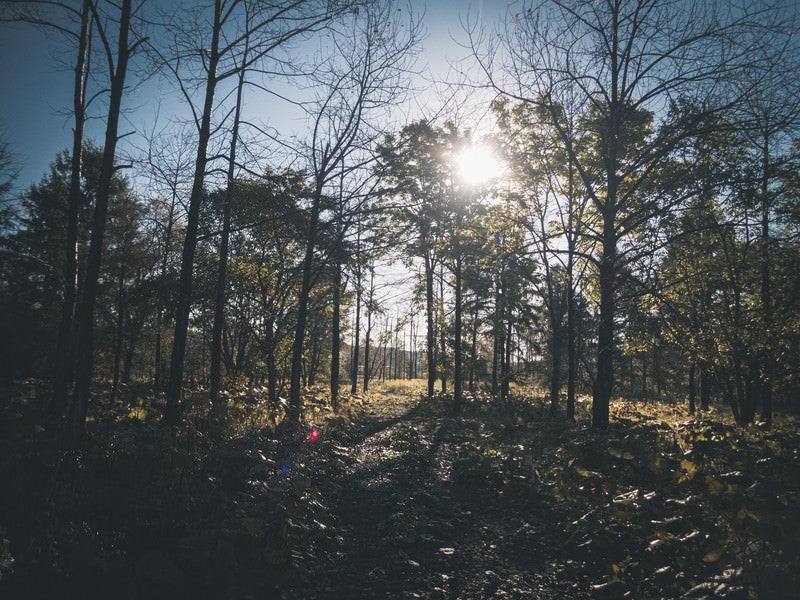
{"x": 175, "y": 386}
{"x": 357, "y": 332}
{"x": 442, "y": 335}
{"x": 119, "y": 334}
{"x": 295, "y": 401}
{"x": 430, "y": 336}
{"x": 85, "y": 354}
{"x": 473, "y": 366}
{"x": 370, "y": 302}
{"x": 215, "y": 380}
{"x": 336, "y": 334}
{"x": 705, "y": 388}
{"x": 572, "y": 350}
{"x": 555, "y": 366}
{"x": 766, "y": 293}
{"x": 157, "y": 375}
{"x": 497, "y": 346}
{"x": 64, "y": 362}
{"x": 644, "y": 375}
{"x": 506, "y": 363}
{"x": 458, "y": 362}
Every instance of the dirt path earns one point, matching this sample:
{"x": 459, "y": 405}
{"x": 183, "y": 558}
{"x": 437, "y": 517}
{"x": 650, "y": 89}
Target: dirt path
{"x": 405, "y": 519}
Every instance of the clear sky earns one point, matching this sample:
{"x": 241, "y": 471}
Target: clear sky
{"x": 36, "y": 90}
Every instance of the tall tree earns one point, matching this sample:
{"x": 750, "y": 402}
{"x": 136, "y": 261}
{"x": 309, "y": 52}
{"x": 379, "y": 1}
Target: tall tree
{"x": 619, "y": 63}
{"x": 770, "y": 118}
{"x": 118, "y": 60}
{"x": 361, "y": 78}
{"x": 215, "y": 376}
{"x": 556, "y": 206}
{"x": 277, "y": 24}
{"x": 75, "y": 24}
{"x": 414, "y": 176}
{"x": 168, "y": 171}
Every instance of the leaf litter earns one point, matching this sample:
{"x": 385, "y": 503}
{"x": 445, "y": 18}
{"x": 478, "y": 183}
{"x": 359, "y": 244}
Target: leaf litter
{"x": 397, "y": 497}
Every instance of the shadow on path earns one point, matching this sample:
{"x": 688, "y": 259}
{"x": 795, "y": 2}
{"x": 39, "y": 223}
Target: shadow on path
{"x": 410, "y": 522}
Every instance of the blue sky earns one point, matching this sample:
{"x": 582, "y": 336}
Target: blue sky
{"x": 36, "y": 97}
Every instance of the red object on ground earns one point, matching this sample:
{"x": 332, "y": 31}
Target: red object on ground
{"x": 314, "y": 435}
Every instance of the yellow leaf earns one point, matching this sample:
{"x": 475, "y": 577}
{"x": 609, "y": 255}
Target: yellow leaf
{"x": 713, "y": 556}
{"x": 689, "y": 467}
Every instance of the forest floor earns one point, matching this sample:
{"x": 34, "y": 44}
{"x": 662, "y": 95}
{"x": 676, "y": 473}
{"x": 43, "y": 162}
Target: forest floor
{"x": 397, "y": 497}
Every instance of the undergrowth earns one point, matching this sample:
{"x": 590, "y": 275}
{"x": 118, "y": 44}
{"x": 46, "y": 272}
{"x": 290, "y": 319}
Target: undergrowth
{"x": 660, "y": 505}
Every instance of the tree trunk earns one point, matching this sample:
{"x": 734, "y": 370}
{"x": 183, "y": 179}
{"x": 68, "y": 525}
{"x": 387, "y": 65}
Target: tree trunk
{"x": 458, "y": 362}
{"x": 295, "y": 401}
{"x": 766, "y": 293}
{"x": 215, "y": 377}
{"x": 430, "y": 336}
{"x": 644, "y": 375}
{"x": 497, "y": 346}
{"x": 442, "y": 335}
{"x": 473, "y": 362}
{"x": 64, "y": 362}
{"x": 506, "y": 363}
{"x": 370, "y": 302}
{"x": 183, "y": 309}
{"x": 555, "y": 351}
{"x": 705, "y": 387}
{"x": 85, "y": 346}
{"x": 159, "y": 367}
{"x": 119, "y": 334}
{"x": 357, "y": 333}
{"x": 604, "y": 382}
{"x": 336, "y": 334}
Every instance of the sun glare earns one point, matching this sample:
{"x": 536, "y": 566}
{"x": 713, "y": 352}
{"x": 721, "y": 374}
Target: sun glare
{"x": 477, "y": 164}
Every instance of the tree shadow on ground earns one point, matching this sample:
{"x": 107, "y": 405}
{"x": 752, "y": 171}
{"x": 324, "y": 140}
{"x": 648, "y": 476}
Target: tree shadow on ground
{"x": 414, "y": 519}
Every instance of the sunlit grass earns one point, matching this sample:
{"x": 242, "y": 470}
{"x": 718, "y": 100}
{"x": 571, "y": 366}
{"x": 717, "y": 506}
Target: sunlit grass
{"x": 399, "y": 386}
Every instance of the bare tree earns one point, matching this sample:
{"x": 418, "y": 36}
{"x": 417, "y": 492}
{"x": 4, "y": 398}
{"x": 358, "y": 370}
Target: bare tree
{"x": 168, "y": 170}
{"x": 75, "y": 24}
{"x": 118, "y": 60}
{"x": 368, "y": 59}
{"x": 215, "y": 374}
{"x": 206, "y": 66}
{"x": 619, "y": 65}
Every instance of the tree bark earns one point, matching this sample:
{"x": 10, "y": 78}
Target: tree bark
{"x": 368, "y": 333}
{"x": 766, "y": 293}
{"x": 572, "y": 352}
{"x": 357, "y": 332}
{"x": 604, "y": 382}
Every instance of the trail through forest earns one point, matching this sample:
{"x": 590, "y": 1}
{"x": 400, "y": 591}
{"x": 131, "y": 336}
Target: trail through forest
{"x": 406, "y": 528}
{"x": 396, "y": 497}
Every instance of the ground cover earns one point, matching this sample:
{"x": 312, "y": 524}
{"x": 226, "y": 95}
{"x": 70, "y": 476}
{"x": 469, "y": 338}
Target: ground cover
{"x": 396, "y": 497}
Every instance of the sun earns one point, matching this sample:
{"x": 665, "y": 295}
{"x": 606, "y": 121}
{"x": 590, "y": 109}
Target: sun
{"x": 477, "y": 164}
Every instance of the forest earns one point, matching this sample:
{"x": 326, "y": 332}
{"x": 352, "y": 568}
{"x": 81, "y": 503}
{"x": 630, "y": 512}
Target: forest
{"x": 324, "y": 324}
